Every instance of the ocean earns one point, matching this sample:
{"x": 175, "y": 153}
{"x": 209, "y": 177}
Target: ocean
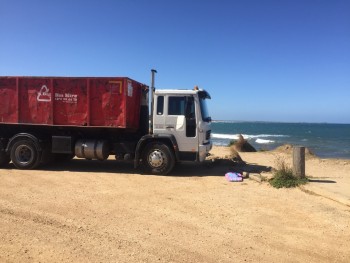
{"x": 323, "y": 139}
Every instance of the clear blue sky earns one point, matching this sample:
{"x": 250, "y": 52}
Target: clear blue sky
{"x": 260, "y": 60}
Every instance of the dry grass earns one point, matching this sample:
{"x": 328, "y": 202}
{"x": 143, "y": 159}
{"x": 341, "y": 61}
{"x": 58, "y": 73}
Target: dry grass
{"x": 284, "y": 177}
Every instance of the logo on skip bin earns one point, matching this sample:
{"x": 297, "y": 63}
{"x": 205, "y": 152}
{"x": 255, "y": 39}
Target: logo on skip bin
{"x": 44, "y": 94}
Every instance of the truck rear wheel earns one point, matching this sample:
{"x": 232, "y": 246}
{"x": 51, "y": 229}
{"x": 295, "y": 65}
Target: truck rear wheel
{"x": 158, "y": 158}
{"x": 24, "y": 154}
{"x": 4, "y": 158}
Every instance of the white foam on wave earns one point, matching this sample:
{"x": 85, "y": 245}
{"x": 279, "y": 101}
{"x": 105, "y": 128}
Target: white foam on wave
{"x": 224, "y": 136}
{"x": 263, "y": 141}
{"x": 245, "y": 136}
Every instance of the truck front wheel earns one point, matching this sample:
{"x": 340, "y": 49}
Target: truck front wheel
{"x": 158, "y": 158}
{"x": 24, "y": 154}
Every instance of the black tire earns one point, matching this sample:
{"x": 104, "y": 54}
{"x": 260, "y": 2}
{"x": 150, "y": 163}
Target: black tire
{"x": 25, "y": 155}
{"x": 158, "y": 159}
{"x": 4, "y": 158}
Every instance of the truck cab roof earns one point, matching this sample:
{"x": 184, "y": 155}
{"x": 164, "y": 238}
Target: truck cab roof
{"x": 201, "y": 93}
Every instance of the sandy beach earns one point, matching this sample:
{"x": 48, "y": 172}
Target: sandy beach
{"x": 92, "y": 211}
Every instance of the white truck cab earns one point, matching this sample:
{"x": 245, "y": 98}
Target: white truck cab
{"x": 179, "y": 129}
{"x": 184, "y": 114}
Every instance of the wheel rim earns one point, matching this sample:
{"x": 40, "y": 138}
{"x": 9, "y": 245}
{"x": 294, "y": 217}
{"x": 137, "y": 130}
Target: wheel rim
{"x": 24, "y": 154}
{"x": 156, "y": 158}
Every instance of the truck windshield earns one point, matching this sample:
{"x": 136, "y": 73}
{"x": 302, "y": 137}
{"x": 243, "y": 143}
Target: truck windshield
{"x": 204, "y": 110}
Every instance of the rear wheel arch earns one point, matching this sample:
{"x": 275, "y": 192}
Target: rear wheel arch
{"x": 23, "y": 136}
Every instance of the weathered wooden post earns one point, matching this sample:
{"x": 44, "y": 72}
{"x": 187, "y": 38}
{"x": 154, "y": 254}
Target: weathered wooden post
{"x": 299, "y": 161}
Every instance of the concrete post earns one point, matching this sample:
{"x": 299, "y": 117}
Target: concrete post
{"x": 299, "y": 161}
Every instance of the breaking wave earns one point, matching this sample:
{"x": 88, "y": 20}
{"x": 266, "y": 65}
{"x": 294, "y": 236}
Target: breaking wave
{"x": 263, "y": 141}
{"x": 245, "y": 136}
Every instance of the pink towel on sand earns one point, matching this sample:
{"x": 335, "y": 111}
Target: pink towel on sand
{"x": 233, "y": 177}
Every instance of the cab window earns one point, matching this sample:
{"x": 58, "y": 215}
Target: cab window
{"x": 176, "y": 105}
{"x": 160, "y": 105}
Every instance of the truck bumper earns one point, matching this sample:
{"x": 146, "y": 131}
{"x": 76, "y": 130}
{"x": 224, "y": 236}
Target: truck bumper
{"x": 203, "y": 151}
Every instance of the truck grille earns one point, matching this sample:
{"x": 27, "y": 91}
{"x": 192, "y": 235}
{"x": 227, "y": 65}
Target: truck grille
{"x": 207, "y": 135}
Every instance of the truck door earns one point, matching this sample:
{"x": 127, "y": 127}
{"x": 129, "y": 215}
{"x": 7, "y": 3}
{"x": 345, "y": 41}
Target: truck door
{"x": 177, "y": 115}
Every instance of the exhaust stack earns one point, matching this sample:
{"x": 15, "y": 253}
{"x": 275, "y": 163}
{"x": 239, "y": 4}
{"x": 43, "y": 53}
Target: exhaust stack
{"x": 153, "y": 72}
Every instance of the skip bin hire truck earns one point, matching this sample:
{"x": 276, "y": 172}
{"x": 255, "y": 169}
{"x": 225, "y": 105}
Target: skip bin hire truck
{"x": 56, "y": 118}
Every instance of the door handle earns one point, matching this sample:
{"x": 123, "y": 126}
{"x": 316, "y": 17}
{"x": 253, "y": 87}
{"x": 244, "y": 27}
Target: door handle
{"x": 169, "y": 127}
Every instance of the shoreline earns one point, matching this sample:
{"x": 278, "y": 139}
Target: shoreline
{"x": 325, "y": 140}
{"x": 284, "y": 122}
{"x": 287, "y": 153}
{"x": 262, "y": 149}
